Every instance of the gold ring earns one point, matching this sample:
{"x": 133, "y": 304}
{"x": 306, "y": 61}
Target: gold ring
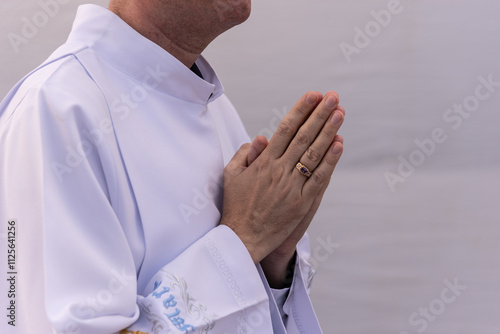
{"x": 303, "y": 169}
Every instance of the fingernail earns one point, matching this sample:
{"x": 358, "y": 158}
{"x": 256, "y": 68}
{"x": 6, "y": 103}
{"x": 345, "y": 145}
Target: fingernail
{"x": 331, "y": 102}
{"x": 336, "y": 149}
{"x": 311, "y": 99}
{"x": 336, "y": 118}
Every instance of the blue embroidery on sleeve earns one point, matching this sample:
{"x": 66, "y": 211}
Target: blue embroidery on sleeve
{"x": 169, "y": 302}
{"x": 158, "y": 294}
{"x": 157, "y": 284}
{"x": 178, "y": 321}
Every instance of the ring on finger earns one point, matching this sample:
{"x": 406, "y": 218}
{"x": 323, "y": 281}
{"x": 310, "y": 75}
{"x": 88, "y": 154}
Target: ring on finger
{"x": 303, "y": 169}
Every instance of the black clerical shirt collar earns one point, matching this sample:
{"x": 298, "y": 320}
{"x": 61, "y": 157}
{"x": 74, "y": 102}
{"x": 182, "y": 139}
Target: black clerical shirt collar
{"x": 197, "y": 71}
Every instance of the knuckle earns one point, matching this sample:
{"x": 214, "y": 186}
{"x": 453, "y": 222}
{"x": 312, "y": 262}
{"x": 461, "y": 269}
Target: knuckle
{"x": 302, "y": 206}
{"x": 301, "y": 111}
{"x": 277, "y": 173}
{"x": 319, "y": 177}
{"x": 313, "y": 155}
{"x": 228, "y": 168}
{"x": 261, "y": 165}
{"x": 302, "y": 138}
{"x": 294, "y": 198}
{"x": 298, "y": 203}
{"x": 227, "y": 175}
{"x": 284, "y": 129}
{"x": 288, "y": 189}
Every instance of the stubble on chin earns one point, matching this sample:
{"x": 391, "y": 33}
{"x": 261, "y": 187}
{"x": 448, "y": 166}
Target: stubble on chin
{"x": 232, "y": 12}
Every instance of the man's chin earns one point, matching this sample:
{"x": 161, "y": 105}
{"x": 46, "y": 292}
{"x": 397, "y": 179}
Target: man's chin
{"x": 233, "y": 12}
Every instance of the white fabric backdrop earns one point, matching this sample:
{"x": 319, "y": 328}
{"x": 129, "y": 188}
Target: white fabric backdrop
{"x": 384, "y": 255}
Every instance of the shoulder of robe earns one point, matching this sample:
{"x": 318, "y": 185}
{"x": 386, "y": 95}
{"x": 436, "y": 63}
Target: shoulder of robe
{"x": 61, "y": 91}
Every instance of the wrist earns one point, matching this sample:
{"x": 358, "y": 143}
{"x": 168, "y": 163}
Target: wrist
{"x": 279, "y": 270}
{"x": 256, "y": 252}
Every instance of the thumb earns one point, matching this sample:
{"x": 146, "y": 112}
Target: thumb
{"x": 258, "y": 145}
{"x": 239, "y": 161}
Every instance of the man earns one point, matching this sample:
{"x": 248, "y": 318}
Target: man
{"x": 112, "y": 154}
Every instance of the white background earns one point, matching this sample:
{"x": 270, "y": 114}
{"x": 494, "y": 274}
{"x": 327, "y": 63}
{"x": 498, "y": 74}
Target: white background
{"x": 391, "y": 249}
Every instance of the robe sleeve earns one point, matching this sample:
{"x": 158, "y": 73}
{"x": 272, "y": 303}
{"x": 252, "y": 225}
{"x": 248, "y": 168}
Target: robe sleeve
{"x": 291, "y": 309}
{"x": 76, "y": 270}
{"x": 82, "y": 257}
{"x": 301, "y": 317}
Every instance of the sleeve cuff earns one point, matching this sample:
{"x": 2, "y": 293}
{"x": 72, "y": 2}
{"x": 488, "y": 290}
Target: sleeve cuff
{"x": 280, "y": 296}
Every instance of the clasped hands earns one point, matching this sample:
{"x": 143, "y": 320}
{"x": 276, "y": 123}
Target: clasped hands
{"x": 267, "y": 201}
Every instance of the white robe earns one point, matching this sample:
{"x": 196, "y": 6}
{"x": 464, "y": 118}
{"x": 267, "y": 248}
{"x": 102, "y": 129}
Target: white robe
{"x": 111, "y": 155}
